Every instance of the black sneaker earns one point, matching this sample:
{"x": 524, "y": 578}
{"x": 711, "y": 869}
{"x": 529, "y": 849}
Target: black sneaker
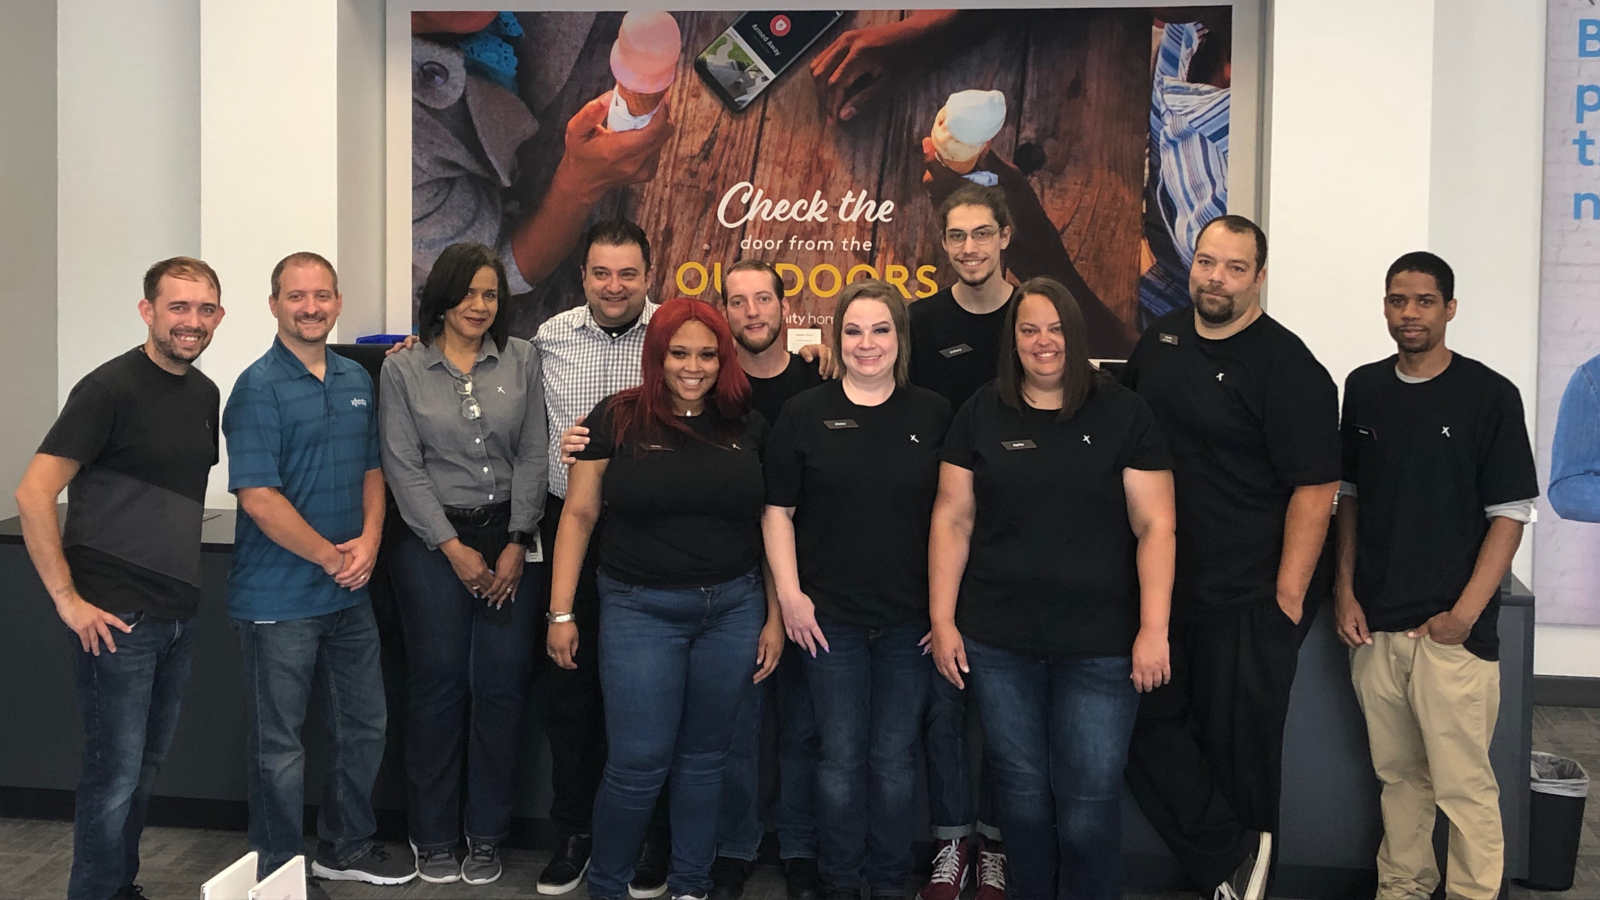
{"x": 649, "y": 872}
{"x": 482, "y": 864}
{"x": 1249, "y": 881}
{"x": 567, "y": 866}
{"x": 727, "y": 878}
{"x": 129, "y": 892}
{"x": 376, "y": 866}
{"x": 800, "y": 874}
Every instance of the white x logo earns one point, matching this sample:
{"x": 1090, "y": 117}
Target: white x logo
{"x": 501, "y": 389}
{"x": 914, "y": 439}
{"x": 1086, "y": 439}
{"x": 1446, "y": 431}
{"x": 1219, "y": 376}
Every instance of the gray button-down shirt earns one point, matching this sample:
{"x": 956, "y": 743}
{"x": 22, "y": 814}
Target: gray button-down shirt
{"x": 434, "y": 457}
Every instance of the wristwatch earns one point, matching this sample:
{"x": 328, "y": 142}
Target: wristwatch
{"x": 555, "y": 618}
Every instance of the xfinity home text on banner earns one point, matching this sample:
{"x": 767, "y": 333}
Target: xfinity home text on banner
{"x": 823, "y": 141}
{"x": 1566, "y": 567}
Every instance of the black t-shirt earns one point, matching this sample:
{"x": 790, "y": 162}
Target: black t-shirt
{"x": 768, "y": 395}
{"x": 861, "y": 480}
{"x": 146, "y": 440}
{"x": 1051, "y": 565}
{"x": 1248, "y": 419}
{"x": 953, "y": 352}
{"x": 680, "y": 512}
{"x": 1426, "y": 459}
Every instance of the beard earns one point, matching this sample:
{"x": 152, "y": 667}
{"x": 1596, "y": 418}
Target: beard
{"x": 976, "y": 281}
{"x": 757, "y": 347}
{"x": 169, "y": 347}
{"x": 1215, "y": 309}
{"x": 1420, "y": 343}
{"x": 300, "y": 328}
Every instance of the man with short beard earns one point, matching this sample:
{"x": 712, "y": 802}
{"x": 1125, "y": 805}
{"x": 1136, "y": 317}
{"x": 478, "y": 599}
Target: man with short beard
{"x": 1252, "y": 420}
{"x": 754, "y": 303}
{"x": 303, "y": 461}
{"x": 1439, "y": 482}
{"x": 132, "y": 447}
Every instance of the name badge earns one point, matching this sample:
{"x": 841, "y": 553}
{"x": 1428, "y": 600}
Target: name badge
{"x": 1019, "y": 445}
{"x": 836, "y": 424}
{"x": 1169, "y": 338}
{"x": 957, "y": 350}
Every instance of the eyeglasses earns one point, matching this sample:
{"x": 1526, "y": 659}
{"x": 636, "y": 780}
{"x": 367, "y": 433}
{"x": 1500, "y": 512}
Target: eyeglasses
{"x": 470, "y": 410}
{"x": 985, "y": 235}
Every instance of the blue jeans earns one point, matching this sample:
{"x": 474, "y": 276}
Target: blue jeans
{"x": 335, "y": 655}
{"x": 1058, "y": 730}
{"x": 466, "y": 679}
{"x": 868, "y": 691}
{"x": 739, "y": 825}
{"x": 949, "y": 772}
{"x": 128, "y": 701}
{"x": 674, "y": 667}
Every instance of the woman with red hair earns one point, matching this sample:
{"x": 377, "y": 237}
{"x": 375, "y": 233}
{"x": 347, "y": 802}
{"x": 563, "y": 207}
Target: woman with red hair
{"x": 675, "y": 464}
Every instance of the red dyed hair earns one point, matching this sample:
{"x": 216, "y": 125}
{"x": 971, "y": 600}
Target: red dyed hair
{"x": 644, "y": 413}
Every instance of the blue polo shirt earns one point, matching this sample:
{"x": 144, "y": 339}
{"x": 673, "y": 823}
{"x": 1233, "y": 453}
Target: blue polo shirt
{"x": 314, "y": 440}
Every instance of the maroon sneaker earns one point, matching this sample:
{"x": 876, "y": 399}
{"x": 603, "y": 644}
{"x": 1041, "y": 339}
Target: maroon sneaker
{"x": 991, "y": 871}
{"x": 952, "y": 868}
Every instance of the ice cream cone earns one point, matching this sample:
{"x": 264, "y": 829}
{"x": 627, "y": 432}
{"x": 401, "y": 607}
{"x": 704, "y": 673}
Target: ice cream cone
{"x": 958, "y": 157}
{"x": 640, "y": 103}
{"x": 964, "y": 127}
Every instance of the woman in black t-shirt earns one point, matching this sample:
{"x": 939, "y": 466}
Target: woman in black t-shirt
{"x": 675, "y": 464}
{"x": 1055, "y": 527}
{"x": 852, "y": 469}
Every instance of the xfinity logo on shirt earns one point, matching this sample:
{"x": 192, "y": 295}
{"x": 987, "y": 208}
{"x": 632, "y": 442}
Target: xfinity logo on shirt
{"x": 1446, "y": 431}
{"x": 957, "y": 350}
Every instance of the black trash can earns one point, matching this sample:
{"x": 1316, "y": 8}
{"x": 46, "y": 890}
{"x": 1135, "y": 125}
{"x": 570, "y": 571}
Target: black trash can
{"x": 1555, "y": 821}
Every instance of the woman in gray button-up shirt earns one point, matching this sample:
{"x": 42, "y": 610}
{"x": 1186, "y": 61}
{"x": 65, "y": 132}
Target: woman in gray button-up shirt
{"x": 464, "y": 438}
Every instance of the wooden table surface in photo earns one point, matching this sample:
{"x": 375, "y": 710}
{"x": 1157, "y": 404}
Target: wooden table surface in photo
{"x": 1077, "y": 85}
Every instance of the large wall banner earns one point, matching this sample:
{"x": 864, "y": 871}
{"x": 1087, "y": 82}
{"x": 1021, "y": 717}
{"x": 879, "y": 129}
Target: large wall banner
{"x": 1566, "y": 567}
{"x": 823, "y": 141}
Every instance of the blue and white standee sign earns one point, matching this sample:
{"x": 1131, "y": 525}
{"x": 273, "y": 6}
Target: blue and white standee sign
{"x": 1567, "y": 549}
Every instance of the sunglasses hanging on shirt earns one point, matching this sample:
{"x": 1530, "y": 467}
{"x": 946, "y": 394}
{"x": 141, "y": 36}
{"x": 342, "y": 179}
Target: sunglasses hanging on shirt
{"x": 470, "y": 410}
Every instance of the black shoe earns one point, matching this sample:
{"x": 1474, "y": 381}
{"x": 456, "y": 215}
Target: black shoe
{"x": 649, "y": 872}
{"x": 727, "y": 878}
{"x": 567, "y": 866}
{"x": 129, "y": 892}
{"x": 1249, "y": 881}
{"x": 800, "y": 874}
{"x": 376, "y": 866}
{"x": 843, "y": 894}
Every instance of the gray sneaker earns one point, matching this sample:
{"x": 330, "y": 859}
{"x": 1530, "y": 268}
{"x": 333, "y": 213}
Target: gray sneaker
{"x": 437, "y": 866}
{"x": 482, "y": 864}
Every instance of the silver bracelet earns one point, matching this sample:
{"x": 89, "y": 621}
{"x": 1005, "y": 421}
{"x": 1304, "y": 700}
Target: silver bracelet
{"x": 555, "y": 618}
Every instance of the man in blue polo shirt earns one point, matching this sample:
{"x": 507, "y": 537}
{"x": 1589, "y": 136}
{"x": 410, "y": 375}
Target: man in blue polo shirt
{"x": 303, "y": 461}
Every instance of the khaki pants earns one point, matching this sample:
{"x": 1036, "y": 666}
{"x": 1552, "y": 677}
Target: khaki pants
{"x": 1430, "y": 711}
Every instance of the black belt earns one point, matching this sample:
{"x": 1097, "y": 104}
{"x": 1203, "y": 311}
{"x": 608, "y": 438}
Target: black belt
{"x": 479, "y": 516}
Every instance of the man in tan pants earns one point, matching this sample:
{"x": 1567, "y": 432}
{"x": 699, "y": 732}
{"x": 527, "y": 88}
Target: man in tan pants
{"x": 1438, "y": 483}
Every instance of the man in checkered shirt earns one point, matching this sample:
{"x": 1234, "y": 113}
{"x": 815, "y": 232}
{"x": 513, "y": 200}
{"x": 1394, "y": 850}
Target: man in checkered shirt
{"x": 586, "y": 354}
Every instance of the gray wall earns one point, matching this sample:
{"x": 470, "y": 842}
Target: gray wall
{"x": 27, "y": 235}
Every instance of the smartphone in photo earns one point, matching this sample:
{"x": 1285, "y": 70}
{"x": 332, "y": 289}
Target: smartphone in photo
{"x": 756, "y": 49}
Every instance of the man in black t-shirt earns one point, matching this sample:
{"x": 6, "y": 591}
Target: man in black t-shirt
{"x": 1439, "y": 481}
{"x": 753, "y": 300}
{"x": 1251, "y": 419}
{"x": 133, "y": 446}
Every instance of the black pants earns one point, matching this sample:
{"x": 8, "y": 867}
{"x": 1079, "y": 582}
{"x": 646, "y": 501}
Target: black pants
{"x": 575, "y": 713}
{"x": 1206, "y": 759}
{"x": 575, "y": 718}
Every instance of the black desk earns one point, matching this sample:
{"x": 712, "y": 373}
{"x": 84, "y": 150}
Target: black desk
{"x": 1330, "y": 797}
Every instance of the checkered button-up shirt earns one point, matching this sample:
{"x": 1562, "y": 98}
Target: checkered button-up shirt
{"x": 583, "y": 365}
